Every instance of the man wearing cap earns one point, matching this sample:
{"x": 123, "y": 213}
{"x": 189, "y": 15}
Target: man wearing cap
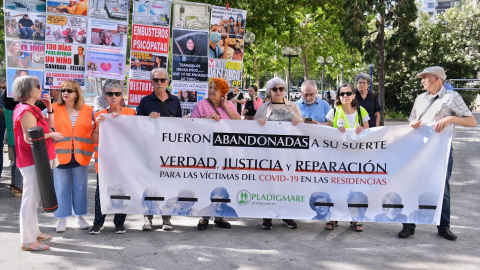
{"x": 444, "y": 107}
{"x": 25, "y": 25}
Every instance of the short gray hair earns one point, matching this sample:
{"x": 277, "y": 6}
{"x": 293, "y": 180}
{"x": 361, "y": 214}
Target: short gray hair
{"x": 363, "y": 76}
{"x": 274, "y": 81}
{"x": 309, "y": 83}
{"x": 110, "y": 83}
{"x": 162, "y": 70}
{"x": 23, "y": 87}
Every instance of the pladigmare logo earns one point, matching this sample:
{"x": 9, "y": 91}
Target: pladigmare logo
{"x": 244, "y": 197}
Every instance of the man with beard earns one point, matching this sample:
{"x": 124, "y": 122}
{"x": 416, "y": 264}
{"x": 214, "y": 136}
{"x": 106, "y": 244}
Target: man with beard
{"x": 313, "y": 109}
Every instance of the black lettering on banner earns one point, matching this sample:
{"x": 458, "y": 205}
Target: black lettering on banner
{"x": 323, "y": 204}
{"x": 261, "y": 140}
{"x": 431, "y": 207}
{"x": 392, "y": 206}
{"x": 180, "y": 199}
{"x": 360, "y": 205}
{"x": 154, "y": 198}
{"x": 119, "y": 197}
{"x": 220, "y": 200}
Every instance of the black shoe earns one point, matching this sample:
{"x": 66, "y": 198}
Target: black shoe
{"x": 96, "y": 229}
{"x": 289, "y": 223}
{"x": 267, "y": 224}
{"x": 202, "y": 226}
{"x": 120, "y": 229}
{"x": 406, "y": 232}
{"x": 223, "y": 223}
{"x": 447, "y": 234}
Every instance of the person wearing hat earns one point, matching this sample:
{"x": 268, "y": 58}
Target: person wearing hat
{"x": 444, "y": 107}
{"x": 25, "y": 25}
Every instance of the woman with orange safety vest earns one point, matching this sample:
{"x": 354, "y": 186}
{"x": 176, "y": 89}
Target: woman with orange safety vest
{"x": 114, "y": 97}
{"x": 73, "y": 119}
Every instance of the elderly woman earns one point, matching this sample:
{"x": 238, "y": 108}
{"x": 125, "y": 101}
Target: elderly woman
{"x": 391, "y": 214}
{"x": 153, "y": 206}
{"x": 278, "y": 108}
{"x": 252, "y": 104}
{"x": 114, "y": 96}
{"x": 181, "y": 205}
{"x": 159, "y": 104}
{"x": 368, "y": 100}
{"x": 320, "y": 203}
{"x": 73, "y": 119}
{"x": 15, "y": 55}
{"x": 215, "y": 106}
{"x": 27, "y": 90}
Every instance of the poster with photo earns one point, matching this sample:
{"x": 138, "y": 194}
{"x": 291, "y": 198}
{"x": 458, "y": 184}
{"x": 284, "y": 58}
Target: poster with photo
{"x": 109, "y": 9}
{"x": 66, "y": 29}
{"x": 71, "y": 7}
{"x": 231, "y": 22}
{"x": 152, "y": 12}
{"x": 142, "y": 64}
{"x": 65, "y": 57}
{"x": 106, "y": 63}
{"x": 189, "y": 93}
{"x": 229, "y": 70}
{"x": 21, "y": 25}
{"x": 25, "y": 54}
{"x": 189, "y": 44}
{"x": 25, "y": 5}
{"x": 54, "y": 79}
{"x": 187, "y": 15}
{"x": 108, "y": 33}
{"x": 12, "y": 74}
{"x": 150, "y": 38}
{"x": 137, "y": 89}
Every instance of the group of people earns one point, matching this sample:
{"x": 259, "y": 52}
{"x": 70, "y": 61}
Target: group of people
{"x": 72, "y": 135}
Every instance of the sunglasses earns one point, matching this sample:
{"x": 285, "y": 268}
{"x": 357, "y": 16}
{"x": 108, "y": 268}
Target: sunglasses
{"x": 345, "y": 93}
{"x": 3, "y": 87}
{"x": 110, "y": 94}
{"x": 275, "y": 89}
{"x": 155, "y": 80}
{"x": 38, "y": 87}
{"x": 67, "y": 90}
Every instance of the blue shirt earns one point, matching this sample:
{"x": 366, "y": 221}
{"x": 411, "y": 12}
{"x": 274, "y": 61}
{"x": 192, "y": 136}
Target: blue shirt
{"x": 317, "y": 110}
{"x": 215, "y": 53}
{"x": 151, "y": 103}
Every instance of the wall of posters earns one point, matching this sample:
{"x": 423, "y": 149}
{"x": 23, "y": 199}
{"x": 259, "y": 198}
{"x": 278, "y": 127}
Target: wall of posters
{"x": 25, "y": 54}
{"x": 106, "y": 63}
{"x": 66, "y": 29}
{"x": 20, "y": 25}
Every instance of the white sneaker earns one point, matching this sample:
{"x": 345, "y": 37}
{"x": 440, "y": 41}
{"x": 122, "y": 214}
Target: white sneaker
{"x": 147, "y": 224}
{"x": 167, "y": 225}
{"x": 62, "y": 224}
{"x": 82, "y": 223}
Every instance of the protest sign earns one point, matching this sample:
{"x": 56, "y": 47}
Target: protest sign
{"x": 189, "y": 15}
{"x": 152, "y": 12}
{"x": 25, "y": 54}
{"x": 142, "y": 64}
{"x": 229, "y": 70}
{"x": 66, "y": 29}
{"x": 137, "y": 89}
{"x": 20, "y": 25}
{"x": 65, "y": 57}
{"x": 108, "y": 33}
{"x": 150, "y": 38}
{"x": 106, "y": 62}
{"x": 110, "y": 9}
{"x": 53, "y": 79}
{"x": 68, "y": 7}
{"x": 25, "y": 5}
{"x": 12, "y": 74}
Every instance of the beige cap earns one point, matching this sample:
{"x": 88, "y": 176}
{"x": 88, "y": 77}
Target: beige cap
{"x": 436, "y": 70}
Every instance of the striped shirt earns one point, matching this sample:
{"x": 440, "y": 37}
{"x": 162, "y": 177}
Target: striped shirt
{"x": 203, "y": 109}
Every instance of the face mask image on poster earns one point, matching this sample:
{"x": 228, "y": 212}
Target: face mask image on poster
{"x": 63, "y": 29}
{"x": 24, "y": 26}
{"x": 191, "y": 16}
{"x": 231, "y": 22}
{"x": 25, "y": 54}
{"x": 152, "y": 12}
{"x": 73, "y": 7}
{"x": 25, "y": 5}
{"x": 109, "y": 9}
{"x": 108, "y": 33}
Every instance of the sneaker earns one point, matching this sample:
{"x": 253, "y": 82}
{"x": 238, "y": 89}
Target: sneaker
{"x": 62, "y": 224}
{"x": 82, "y": 223}
{"x": 223, "y": 223}
{"x": 289, "y": 223}
{"x": 167, "y": 225}
{"x": 119, "y": 229}
{"x": 96, "y": 228}
{"x": 267, "y": 224}
{"x": 406, "y": 232}
{"x": 147, "y": 224}
{"x": 202, "y": 224}
{"x": 447, "y": 234}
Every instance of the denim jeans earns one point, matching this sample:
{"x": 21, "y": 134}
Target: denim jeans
{"x": 71, "y": 189}
{"x": 26, "y": 32}
{"x": 445, "y": 217}
{"x": 17, "y": 178}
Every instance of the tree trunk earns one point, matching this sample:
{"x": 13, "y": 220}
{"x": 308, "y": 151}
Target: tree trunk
{"x": 305, "y": 64}
{"x": 381, "y": 62}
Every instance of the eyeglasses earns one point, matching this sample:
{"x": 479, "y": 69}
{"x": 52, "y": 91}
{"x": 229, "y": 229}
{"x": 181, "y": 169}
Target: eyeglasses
{"x": 67, "y": 90}
{"x": 275, "y": 89}
{"x": 38, "y": 87}
{"x": 345, "y": 93}
{"x": 110, "y": 94}
{"x": 361, "y": 83}
{"x": 162, "y": 80}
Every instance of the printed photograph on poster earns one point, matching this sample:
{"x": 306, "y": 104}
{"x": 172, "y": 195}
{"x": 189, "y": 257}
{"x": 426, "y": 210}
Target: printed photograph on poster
{"x": 54, "y": 79}
{"x": 189, "y": 45}
{"x": 156, "y": 12}
{"x": 229, "y": 70}
{"x": 189, "y": 93}
{"x": 188, "y": 15}
{"x": 193, "y": 72}
{"x": 108, "y": 33}
{"x": 23, "y": 25}
{"x": 65, "y": 57}
{"x": 109, "y": 9}
{"x": 104, "y": 63}
{"x": 219, "y": 43}
{"x": 71, "y": 7}
{"x": 25, "y": 54}
{"x": 150, "y": 38}
{"x": 66, "y": 29}
{"x": 137, "y": 89}
{"x": 142, "y": 63}
{"x": 12, "y": 74}
{"x": 25, "y": 5}
{"x": 187, "y": 96}
{"x": 231, "y": 21}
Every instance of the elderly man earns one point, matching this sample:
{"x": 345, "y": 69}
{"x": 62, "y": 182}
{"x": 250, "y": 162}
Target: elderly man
{"x": 367, "y": 99}
{"x": 444, "y": 107}
{"x": 79, "y": 58}
{"x": 313, "y": 109}
{"x": 159, "y": 104}
{"x": 107, "y": 38}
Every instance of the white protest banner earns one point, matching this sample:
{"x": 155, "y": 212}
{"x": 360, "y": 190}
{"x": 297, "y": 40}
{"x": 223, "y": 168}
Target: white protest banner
{"x": 239, "y": 168}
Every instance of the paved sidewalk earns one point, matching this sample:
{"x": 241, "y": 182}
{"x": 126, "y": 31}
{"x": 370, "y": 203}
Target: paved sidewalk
{"x": 247, "y": 246}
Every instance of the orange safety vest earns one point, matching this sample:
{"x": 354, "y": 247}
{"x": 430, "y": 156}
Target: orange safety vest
{"x": 78, "y": 138}
{"x": 125, "y": 111}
